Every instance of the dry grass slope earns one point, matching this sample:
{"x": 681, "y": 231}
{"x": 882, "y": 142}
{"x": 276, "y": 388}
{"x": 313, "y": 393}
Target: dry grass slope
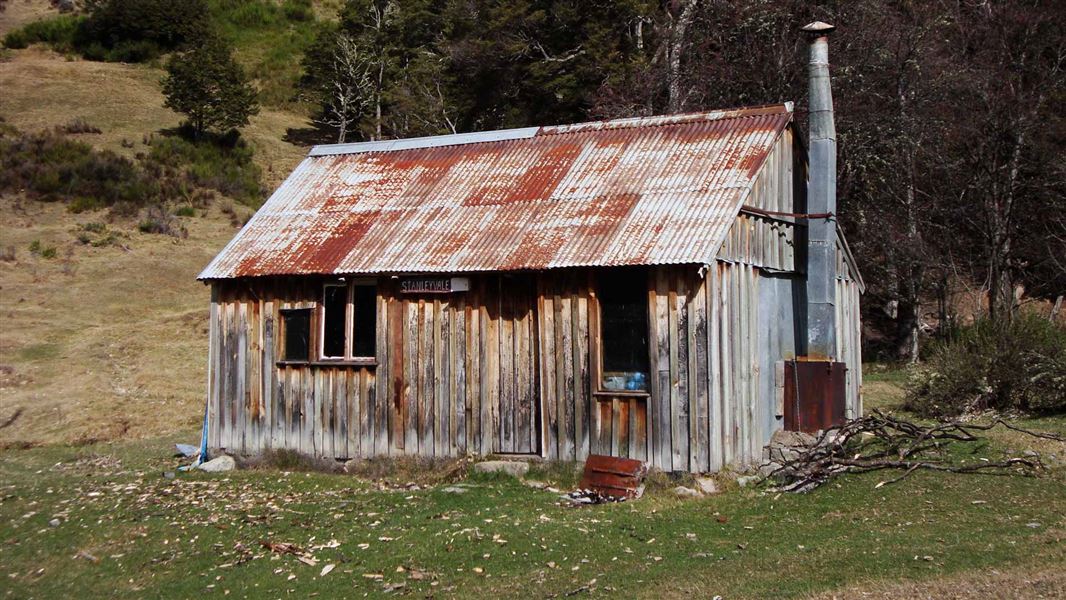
{"x": 105, "y": 342}
{"x": 101, "y": 343}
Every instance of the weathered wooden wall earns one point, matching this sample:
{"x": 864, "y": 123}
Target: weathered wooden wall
{"x": 454, "y": 375}
{"x": 503, "y": 368}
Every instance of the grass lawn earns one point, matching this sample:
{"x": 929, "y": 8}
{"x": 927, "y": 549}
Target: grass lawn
{"x": 125, "y": 530}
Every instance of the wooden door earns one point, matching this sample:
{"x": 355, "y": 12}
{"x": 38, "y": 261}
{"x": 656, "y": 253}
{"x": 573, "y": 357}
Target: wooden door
{"x": 519, "y": 392}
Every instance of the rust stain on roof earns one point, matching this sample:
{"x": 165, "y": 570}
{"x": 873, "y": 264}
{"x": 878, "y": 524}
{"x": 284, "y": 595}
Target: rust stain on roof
{"x": 655, "y": 190}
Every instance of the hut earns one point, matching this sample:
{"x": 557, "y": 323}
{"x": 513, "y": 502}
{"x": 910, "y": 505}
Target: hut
{"x": 671, "y": 289}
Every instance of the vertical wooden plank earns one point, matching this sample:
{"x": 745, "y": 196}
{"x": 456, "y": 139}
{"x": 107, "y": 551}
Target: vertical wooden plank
{"x": 370, "y": 391}
{"x": 659, "y": 385}
{"x": 456, "y": 393}
{"x": 491, "y": 374}
{"x": 385, "y": 354}
{"x": 507, "y": 371}
{"x": 581, "y": 374}
{"x": 214, "y": 358}
{"x": 692, "y": 395}
{"x": 616, "y": 427}
{"x": 411, "y": 370}
{"x": 425, "y": 379}
{"x": 307, "y": 410}
{"x": 523, "y": 340}
{"x": 549, "y": 361}
{"x": 484, "y": 437}
{"x": 623, "y": 428}
{"x": 321, "y": 414}
{"x": 255, "y": 376}
{"x": 241, "y": 395}
{"x": 639, "y": 435}
{"x": 699, "y": 389}
{"x": 355, "y": 383}
{"x": 559, "y": 326}
{"x": 667, "y": 361}
{"x": 340, "y": 413}
{"x": 473, "y": 375}
{"x": 714, "y": 395}
{"x": 673, "y": 458}
{"x": 566, "y": 397}
{"x": 266, "y": 366}
{"x": 754, "y": 427}
{"x": 440, "y": 380}
{"x": 680, "y": 307}
{"x": 604, "y": 422}
{"x": 556, "y": 377}
{"x": 726, "y": 352}
{"x": 229, "y": 373}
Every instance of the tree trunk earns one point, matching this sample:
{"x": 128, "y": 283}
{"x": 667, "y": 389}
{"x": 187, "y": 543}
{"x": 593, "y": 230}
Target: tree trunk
{"x": 674, "y": 50}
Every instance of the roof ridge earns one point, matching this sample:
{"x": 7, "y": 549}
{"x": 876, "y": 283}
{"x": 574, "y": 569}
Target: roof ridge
{"x": 499, "y": 135}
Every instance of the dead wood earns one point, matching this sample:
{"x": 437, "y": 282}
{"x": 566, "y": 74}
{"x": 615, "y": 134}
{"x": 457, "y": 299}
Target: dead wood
{"x": 879, "y": 442}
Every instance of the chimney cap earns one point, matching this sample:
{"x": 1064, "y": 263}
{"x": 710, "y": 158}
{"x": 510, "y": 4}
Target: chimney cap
{"x": 818, "y": 28}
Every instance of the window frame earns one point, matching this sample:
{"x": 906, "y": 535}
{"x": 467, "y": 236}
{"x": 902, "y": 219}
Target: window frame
{"x": 349, "y": 319}
{"x": 283, "y": 330}
{"x": 596, "y": 335}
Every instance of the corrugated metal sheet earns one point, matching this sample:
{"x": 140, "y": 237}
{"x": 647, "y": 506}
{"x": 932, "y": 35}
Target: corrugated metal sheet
{"x": 657, "y": 190}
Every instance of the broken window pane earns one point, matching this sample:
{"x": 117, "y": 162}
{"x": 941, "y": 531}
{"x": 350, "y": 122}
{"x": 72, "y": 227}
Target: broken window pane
{"x": 296, "y": 329}
{"x": 364, "y": 324}
{"x": 623, "y": 300}
{"x": 334, "y": 304}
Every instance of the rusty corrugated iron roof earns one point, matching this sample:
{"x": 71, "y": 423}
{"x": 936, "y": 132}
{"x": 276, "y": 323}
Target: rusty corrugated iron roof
{"x": 653, "y": 190}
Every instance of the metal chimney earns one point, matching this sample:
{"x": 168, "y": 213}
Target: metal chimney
{"x": 821, "y": 200}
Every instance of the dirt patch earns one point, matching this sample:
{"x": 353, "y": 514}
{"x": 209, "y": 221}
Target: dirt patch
{"x": 1008, "y": 584}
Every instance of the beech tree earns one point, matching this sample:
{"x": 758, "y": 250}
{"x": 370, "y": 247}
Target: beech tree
{"x": 208, "y": 86}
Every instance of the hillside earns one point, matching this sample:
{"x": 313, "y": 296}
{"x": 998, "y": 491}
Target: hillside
{"x": 106, "y": 342}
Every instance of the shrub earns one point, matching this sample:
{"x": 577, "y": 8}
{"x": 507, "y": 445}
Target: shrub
{"x": 39, "y": 249}
{"x": 51, "y": 168}
{"x": 185, "y": 211}
{"x": 298, "y": 10}
{"x": 158, "y": 220}
{"x": 59, "y": 32}
{"x": 139, "y": 30}
{"x": 223, "y": 164}
{"x": 79, "y": 125}
{"x": 992, "y": 365}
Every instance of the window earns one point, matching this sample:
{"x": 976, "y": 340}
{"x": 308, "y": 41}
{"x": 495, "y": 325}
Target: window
{"x": 623, "y": 330}
{"x": 364, "y": 321}
{"x": 349, "y": 321}
{"x": 296, "y": 331}
{"x": 334, "y": 313}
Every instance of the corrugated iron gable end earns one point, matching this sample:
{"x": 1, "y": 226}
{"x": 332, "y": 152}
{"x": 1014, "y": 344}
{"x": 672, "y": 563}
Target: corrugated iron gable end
{"x": 660, "y": 190}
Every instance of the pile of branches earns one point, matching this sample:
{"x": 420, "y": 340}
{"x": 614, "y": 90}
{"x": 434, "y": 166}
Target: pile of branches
{"x": 878, "y": 442}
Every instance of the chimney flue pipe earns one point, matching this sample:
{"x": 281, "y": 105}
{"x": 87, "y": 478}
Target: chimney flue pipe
{"x": 821, "y": 198}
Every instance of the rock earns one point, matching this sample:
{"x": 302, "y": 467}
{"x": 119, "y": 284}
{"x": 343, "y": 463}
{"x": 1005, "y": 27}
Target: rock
{"x": 686, "y": 492}
{"x": 769, "y": 468}
{"x": 454, "y": 489}
{"x": 747, "y": 480}
{"x": 55, "y": 522}
{"x": 707, "y": 485}
{"x": 169, "y": 474}
{"x": 792, "y": 439}
{"x": 507, "y": 467}
{"x": 218, "y": 465}
{"x": 540, "y": 485}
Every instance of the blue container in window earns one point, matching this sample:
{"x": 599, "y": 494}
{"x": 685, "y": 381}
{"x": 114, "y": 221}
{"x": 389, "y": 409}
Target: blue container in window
{"x": 635, "y": 381}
